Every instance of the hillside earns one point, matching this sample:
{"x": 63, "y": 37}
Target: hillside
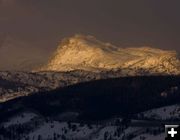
{"x": 128, "y": 108}
{"x": 104, "y": 98}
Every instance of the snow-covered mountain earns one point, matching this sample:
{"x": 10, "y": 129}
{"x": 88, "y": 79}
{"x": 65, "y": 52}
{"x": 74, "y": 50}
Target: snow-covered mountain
{"x": 80, "y": 59}
{"x": 88, "y": 53}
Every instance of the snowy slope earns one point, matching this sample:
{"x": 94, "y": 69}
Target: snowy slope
{"x": 163, "y": 113}
{"x": 16, "y": 84}
{"x": 150, "y": 137}
{"x": 22, "y": 118}
{"x": 37, "y": 127}
{"x": 88, "y": 53}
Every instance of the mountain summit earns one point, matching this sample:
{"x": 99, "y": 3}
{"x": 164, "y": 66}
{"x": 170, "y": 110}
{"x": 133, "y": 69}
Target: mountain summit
{"x": 87, "y": 53}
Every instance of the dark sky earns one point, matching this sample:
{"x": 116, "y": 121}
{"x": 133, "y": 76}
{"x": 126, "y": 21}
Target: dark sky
{"x": 42, "y": 23}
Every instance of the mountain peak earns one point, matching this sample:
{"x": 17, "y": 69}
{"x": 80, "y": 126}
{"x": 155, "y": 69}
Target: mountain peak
{"x": 87, "y": 53}
{"x": 82, "y": 41}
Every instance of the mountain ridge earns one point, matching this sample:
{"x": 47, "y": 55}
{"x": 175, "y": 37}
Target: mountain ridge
{"x": 88, "y": 53}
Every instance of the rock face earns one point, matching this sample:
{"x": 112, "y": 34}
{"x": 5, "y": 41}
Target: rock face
{"x": 88, "y": 53}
